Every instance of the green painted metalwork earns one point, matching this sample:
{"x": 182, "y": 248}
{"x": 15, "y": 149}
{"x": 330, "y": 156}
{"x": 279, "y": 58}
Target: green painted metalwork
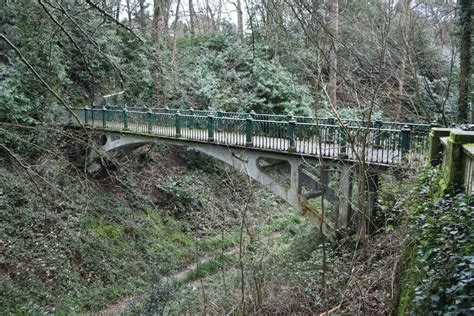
{"x": 248, "y": 131}
{"x": 291, "y": 132}
{"x": 86, "y": 119}
{"x": 178, "y": 124}
{"x": 150, "y": 121}
{"x": 343, "y": 142}
{"x": 104, "y": 117}
{"x": 125, "y": 118}
{"x": 210, "y": 128}
{"x": 405, "y": 132}
{"x": 384, "y": 142}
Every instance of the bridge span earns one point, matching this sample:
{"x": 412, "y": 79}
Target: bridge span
{"x": 311, "y": 152}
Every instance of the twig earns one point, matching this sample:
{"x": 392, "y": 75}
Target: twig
{"x": 25, "y": 61}
{"x": 112, "y": 19}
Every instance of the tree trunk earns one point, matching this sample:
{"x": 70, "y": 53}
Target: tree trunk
{"x": 465, "y": 17}
{"x": 192, "y": 22}
{"x": 117, "y": 10}
{"x": 210, "y": 15}
{"x": 333, "y": 56}
{"x": 157, "y": 22}
{"x": 240, "y": 20}
{"x": 129, "y": 12}
{"x": 141, "y": 15}
{"x": 175, "y": 30}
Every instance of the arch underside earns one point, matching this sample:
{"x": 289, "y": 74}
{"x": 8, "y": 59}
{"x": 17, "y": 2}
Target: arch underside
{"x": 306, "y": 178}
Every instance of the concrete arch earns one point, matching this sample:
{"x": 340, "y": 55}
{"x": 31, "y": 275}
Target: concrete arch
{"x": 246, "y": 160}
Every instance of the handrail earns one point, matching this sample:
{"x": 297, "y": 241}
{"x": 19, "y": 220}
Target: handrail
{"x": 383, "y": 143}
{"x": 269, "y": 116}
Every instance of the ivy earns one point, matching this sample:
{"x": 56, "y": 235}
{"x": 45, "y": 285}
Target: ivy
{"x": 445, "y": 256}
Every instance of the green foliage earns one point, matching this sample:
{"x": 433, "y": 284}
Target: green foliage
{"x": 220, "y": 73}
{"x": 209, "y": 267}
{"x": 180, "y": 195}
{"x": 108, "y": 60}
{"x": 438, "y": 277}
{"x": 445, "y": 256}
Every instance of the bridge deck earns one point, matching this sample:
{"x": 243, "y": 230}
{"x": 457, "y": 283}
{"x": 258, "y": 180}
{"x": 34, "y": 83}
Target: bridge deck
{"x": 374, "y": 145}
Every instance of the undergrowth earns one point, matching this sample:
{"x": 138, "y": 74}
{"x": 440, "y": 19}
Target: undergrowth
{"x": 439, "y": 275}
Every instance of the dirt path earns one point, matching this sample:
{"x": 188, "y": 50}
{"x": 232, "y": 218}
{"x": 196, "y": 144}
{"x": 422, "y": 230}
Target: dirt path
{"x": 128, "y": 301}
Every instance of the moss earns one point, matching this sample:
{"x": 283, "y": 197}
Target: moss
{"x": 409, "y": 280}
{"x": 209, "y": 267}
{"x": 106, "y": 230}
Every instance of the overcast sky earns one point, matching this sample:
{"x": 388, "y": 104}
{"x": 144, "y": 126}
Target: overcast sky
{"x": 229, "y": 12}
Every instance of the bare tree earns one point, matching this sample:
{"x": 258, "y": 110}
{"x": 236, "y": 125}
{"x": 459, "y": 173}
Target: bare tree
{"x": 240, "y": 19}
{"x": 333, "y": 53}
{"x": 192, "y": 19}
{"x": 465, "y": 17}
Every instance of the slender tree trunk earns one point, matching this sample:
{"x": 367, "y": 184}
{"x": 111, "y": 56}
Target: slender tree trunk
{"x": 192, "y": 22}
{"x": 240, "y": 20}
{"x": 404, "y": 5}
{"x": 157, "y": 22}
{"x": 141, "y": 15}
{"x": 129, "y": 13}
{"x": 210, "y": 15}
{"x": 117, "y": 10}
{"x": 175, "y": 30}
{"x": 465, "y": 17}
{"x": 269, "y": 18}
{"x": 333, "y": 53}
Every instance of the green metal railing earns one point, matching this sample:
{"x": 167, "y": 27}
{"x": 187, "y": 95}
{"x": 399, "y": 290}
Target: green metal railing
{"x": 378, "y": 142}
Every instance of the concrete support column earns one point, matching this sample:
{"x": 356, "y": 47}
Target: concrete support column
{"x": 295, "y": 186}
{"x": 345, "y": 195}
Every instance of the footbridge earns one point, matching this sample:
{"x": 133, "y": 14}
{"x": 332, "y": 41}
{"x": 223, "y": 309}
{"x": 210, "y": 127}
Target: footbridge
{"x": 298, "y": 158}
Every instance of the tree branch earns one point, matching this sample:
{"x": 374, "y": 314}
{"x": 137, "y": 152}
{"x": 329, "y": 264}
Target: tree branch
{"x": 25, "y": 61}
{"x": 112, "y": 19}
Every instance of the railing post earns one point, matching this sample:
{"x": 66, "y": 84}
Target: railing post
{"x": 210, "y": 128}
{"x": 291, "y": 132}
{"x": 405, "y": 140}
{"x": 86, "y": 118}
{"x": 248, "y": 131}
{"x": 125, "y": 118}
{"x": 92, "y": 115}
{"x": 178, "y": 123}
{"x": 104, "y": 117}
{"x": 193, "y": 119}
{"x": 150, "y": 121}
{"x": 434, "y": 124}
{"x": 330, "y": 121}
{"x": 377, "y": 124}
{"x": 343, "y": 141}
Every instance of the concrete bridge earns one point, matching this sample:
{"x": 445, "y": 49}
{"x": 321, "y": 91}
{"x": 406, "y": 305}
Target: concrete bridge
{"x": 297, "y": 158}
